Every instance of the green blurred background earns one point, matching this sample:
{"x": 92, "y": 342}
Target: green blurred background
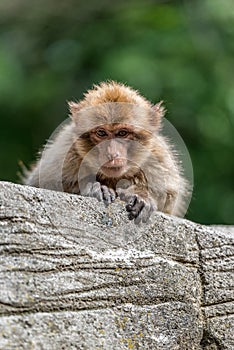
{"x": 51, "y": 51}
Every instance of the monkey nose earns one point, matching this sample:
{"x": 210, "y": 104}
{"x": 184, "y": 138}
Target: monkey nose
{"x": 113, "y": 156}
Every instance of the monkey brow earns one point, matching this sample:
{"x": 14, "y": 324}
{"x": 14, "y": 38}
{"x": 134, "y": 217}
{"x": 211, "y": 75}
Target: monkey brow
{"x": 119, "y": 126}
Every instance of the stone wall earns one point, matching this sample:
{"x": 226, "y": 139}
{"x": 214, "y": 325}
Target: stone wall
{"x": 77, "y": 275}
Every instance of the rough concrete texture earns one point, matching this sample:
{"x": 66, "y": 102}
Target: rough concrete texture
{"x": 77, "y": 275}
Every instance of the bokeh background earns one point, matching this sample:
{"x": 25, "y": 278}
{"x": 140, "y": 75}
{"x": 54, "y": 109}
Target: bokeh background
{"x": 51, "y": 51}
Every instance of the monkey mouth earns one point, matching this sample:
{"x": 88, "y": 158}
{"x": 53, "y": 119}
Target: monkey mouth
{"x": 114, "y": 168}
{"x": 115, "y": 164}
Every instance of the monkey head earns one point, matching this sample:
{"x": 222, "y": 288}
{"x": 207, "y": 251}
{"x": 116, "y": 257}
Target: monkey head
{"x": 117, "y": 136}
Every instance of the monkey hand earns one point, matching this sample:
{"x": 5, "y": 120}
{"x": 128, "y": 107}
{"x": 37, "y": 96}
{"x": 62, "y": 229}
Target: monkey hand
{"x": 139, "y": 209}
{"x": 101, "y": 192}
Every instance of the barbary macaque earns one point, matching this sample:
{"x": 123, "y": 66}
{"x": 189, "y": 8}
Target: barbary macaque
{"x": 112, "y": 147}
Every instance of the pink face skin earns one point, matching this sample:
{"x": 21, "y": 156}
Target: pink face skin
{"x": 114, "y": 168}
{"x": 112, "y": 145}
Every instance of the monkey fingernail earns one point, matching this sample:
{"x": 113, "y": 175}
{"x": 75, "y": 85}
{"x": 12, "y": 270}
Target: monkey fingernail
{"x": 131, "y": 216}
{"x": 129, "y": 207}
{"x": 133, "y": 200}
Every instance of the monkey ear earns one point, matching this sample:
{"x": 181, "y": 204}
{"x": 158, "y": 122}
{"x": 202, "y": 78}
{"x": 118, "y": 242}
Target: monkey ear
{"x": 158, "y": 113}
{"x": 74, "y": 108}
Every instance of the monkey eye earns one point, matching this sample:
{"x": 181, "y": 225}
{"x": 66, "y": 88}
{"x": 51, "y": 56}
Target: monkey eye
{"x": 122, "y": 133}
{"x": 101, "y": 133}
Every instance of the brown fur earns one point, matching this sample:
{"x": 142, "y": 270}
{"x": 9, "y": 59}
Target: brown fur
{"x": 152, "y": 171}
{"x": 109, "y": 92}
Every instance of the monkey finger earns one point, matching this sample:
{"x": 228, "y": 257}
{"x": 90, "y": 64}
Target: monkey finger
{"x": 131, "y": 201}
{"x": 145, "y": 213}
{"x": 138, "y": 206}
{"x": 134, "y": 213}
{"x": 137, "y": 220}
{"x": 143, "y": 216}
{"x": 108, "y": 194}
{"x": 112, "y": 194}
{"x": 96, "y": 191}
{"x": 87, "y": 189}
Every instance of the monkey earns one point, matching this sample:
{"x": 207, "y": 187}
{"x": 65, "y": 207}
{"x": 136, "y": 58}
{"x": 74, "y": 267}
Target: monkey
{"x": 112, "y": 148}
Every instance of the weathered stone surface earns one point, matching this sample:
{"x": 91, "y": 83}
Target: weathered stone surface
{"x": 77, "y": 275}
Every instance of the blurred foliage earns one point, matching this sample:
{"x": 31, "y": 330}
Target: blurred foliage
{"x": 179, "y": 51}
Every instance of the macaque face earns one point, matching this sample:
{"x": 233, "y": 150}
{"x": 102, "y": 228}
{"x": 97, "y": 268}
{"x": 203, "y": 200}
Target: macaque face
{"x": 113, "y": 139}
{"x": 112, "y": 142}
